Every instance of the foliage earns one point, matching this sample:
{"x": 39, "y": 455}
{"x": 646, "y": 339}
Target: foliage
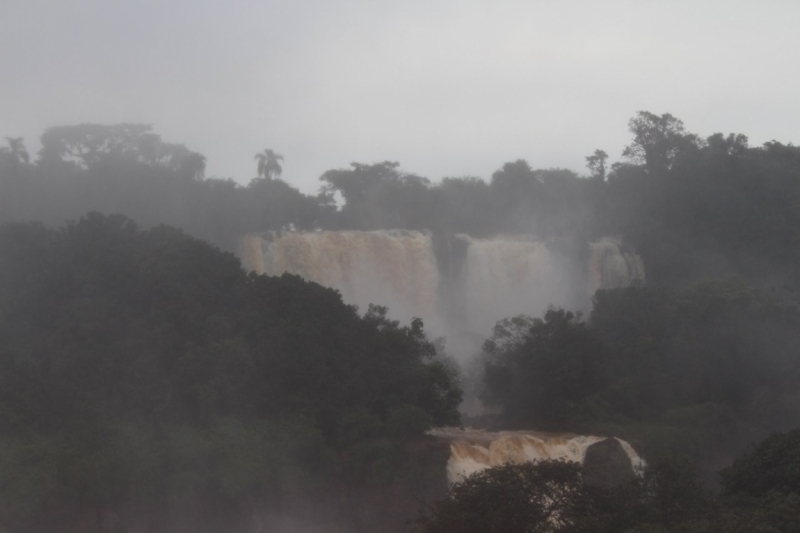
{"x": 557, "y": 368}
{"x": 150, "y": 345}
{"x": 692, "y": 207}
{"x": 127, "y": 168}
{"x": 667, "y": 497}
{"x": 87, "y": 145}
{"x": 773, "y": 465}
{"x": 657, "y": 141}
{"x": 524, "y": 498}
{"x": 596, "y": 163}
{"x": 269, "y": 164}
{"x": 551, "y": 496}
{"x": 15, "y": 152}
{"x": 140, "y": 369}
{"x": 700, "y": 371}
{"x": 379, "y": 196}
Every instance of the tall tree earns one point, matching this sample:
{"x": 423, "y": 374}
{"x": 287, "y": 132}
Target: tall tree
{"x": 269, "y": 164}
{"x": 16, "y": 150}
{"x": 657, "y": 141}
{"x": 597, "y": 164}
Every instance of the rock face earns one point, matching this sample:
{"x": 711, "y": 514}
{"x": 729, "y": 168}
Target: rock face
{"x": 607, "y": 464}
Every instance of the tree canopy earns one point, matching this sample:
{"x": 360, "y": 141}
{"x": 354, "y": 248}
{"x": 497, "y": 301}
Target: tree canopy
{"x": 701, "y": 371}
{"x": 692, "y": 207}
{"x": 514, "y": 498}
{"x": 666, "y": 497}
{"x": 142, "y": 367}
{"x": 552, "y": 497}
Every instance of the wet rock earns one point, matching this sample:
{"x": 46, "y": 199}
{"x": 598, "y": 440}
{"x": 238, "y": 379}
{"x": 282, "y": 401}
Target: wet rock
{"x": 607, "y": 464}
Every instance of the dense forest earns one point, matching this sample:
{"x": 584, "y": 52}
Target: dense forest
{"x": 148, "y": 383}
{"x": 145, "y": 377}
{"x": 693, "y": 207}
{"x": 698, "y": 372}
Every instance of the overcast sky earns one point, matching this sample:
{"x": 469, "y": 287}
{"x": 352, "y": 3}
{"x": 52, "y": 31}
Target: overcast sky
{"x": 447, "y": 88}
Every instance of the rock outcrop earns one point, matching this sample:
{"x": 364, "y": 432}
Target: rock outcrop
{"x": 606, "y": 463}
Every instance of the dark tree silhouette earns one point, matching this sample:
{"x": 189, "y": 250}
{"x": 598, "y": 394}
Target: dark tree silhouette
{"x": 657, "y": 141}
{"x": 16, "y": 150}
{"x": 269, "y": 164}
{"x": 597, "y": 164}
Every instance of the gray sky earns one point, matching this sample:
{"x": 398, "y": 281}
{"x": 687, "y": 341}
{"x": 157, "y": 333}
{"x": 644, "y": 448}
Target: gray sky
{"x": 447, "y": 88}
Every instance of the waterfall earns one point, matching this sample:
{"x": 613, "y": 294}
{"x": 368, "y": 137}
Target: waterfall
{"x": 472, "y": 451}
{"x": 611, "y": 267}
{"x": 508, "y": 276}
{"x": 460, "y": 286}
{"x": 394, "y": 268}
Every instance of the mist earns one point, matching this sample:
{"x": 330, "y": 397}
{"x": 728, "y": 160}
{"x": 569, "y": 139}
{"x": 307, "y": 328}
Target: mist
{"x": 433, "y": 267}
{"x": 449, "y": 89}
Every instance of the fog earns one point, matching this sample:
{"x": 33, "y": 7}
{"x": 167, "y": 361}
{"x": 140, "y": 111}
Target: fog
{"x": 448, "y": 88}
{"x": 261, "y": 262}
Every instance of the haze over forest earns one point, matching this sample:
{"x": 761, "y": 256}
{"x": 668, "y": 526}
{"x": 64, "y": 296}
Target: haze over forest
{"x": 448, "y": 88}
{"x": 261, "y": 263}
{"x": 129, "y": 350}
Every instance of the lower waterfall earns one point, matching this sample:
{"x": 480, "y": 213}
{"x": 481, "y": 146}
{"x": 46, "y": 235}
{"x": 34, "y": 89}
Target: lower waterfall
{"x": 472, "y": 450}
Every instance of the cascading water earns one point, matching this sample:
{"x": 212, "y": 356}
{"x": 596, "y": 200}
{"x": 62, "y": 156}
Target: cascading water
{"x": 394, "y": 268}
{"x": 508, "y": 276}
{"x": 472, "y": 451}
{"x": 460, "y": 286}
{"x": 612, "y": 268}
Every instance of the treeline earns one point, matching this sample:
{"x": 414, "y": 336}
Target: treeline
{"x": 148, "y": 383}
{"x": 698, "y": 372}
{"x": 692, "y": 207}
{"x": 144, "y": 377}
{"x": 127, "y": 169}
{"x": 760, "y": 492}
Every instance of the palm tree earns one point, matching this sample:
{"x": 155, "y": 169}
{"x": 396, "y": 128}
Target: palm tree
{"x": 16, "y": 148}
{"x": 269, "y": 165}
